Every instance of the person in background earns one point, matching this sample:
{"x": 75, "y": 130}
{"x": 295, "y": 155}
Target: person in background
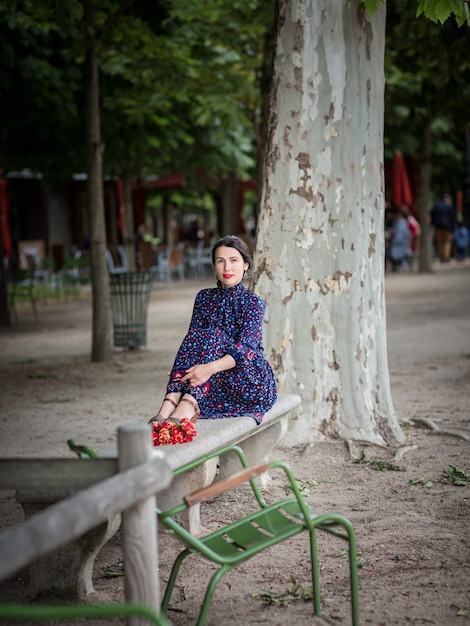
{"x": 400, "y": 240}
{"x": 461, "y": 241}
{"x": 443, "y": 220}
{"x": 415, "y": 232}
{"x": 220, "y": 369}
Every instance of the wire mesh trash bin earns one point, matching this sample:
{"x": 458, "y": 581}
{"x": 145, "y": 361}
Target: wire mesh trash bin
{"x": 130, "y": 295}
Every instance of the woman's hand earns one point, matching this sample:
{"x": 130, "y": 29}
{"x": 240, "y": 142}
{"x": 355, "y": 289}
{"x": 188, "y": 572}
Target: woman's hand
{"x": 198, "y": 374}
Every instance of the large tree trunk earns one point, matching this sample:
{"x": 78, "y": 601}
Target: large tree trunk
{"x": 129, "y": 228}
{"x": 320, "y": 245}
{"x": 266, "y": 80}
{"x": 101, "y": 332}
{"x": 5, "y": 314}
{"x": 424, "y": 196}
{"x": 229, "y": 219}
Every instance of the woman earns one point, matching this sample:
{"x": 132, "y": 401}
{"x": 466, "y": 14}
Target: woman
{"x": 220, "y": 369}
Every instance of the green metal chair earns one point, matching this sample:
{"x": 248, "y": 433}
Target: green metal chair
{"x": 270, "y": 524}
{"x": 42, "y": 612}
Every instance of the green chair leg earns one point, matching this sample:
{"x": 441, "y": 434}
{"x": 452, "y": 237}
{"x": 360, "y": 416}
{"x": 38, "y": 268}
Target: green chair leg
{"x": 171, "y": 581}
{"x": 30, "y": 612}
{"x": 210, "y": 592}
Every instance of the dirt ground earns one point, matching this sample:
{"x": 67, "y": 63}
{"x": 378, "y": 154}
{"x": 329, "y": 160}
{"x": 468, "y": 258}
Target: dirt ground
{"x": 413, "y": 539}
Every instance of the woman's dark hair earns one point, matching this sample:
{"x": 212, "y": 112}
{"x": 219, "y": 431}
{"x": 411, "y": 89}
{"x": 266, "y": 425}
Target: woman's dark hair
{"x": 231, "y": 241}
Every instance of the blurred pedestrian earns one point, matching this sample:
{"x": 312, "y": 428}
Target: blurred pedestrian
{"x": 400, "y": 241}
{"x": 415, "y": 232}
{"x": 461, "y": 241}
{"x": 443, "y": 220}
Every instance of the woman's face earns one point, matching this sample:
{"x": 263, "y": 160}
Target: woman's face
{"x": 229, "y": 266}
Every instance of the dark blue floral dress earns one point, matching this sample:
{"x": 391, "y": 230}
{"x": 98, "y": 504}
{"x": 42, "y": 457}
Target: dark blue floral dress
{"x": 227, "y": 320}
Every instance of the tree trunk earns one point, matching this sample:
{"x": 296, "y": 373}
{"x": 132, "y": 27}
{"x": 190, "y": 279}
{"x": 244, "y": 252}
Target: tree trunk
{"x": 101, "y": 332}
{"x": 266, "y": 80}
{"x": 319, "y": 260}
{"x": 129, "y": 228}
{"x": 424, "y": 195}
{"x": 229, "y": 221}
{"x": 5, "y": 314}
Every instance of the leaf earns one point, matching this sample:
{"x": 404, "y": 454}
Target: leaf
{"x": 83, "y": 452}
{"x": 361, "y": 458}
{"x": 383, "y": 466}
{"x": 112, "y": 571}
{"x": 297, "y": 593}
{"x": 456, "y": 476}
{"x": 421, "y": 481}
{"x": 371, "y": 6}
{"x": 306, "y": 487}
{"x": 439, "y": 11}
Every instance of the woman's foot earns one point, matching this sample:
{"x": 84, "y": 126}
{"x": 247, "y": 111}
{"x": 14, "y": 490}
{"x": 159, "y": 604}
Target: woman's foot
{"x": 183, "y": 410}
{"x": 165, "y": 411}
{"x": 157, "y": 419}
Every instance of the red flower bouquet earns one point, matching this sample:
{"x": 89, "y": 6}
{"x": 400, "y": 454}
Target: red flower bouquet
{"x": 171, "y": 432}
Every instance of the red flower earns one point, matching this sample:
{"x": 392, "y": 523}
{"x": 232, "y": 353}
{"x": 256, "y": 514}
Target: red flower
{"x": 169, "y": 432}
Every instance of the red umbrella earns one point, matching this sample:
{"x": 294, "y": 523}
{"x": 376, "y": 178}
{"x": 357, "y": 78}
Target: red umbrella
{"x": 4, "y": 212}
{"x": 400, "y": 184}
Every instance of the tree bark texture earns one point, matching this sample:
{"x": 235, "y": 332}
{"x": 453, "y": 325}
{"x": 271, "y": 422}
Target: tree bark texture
{"x": 425, "y": 243}
{"x": 101, "y": 332}
{"x": 319, "y": 261}
{"x": 229, "y": 219}
{"x": 129, "y": 227}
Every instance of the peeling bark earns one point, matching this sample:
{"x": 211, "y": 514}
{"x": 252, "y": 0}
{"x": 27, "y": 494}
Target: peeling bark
{"x": 319, "y": 261}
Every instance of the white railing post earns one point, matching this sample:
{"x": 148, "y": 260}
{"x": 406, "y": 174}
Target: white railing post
{"x": 139, "y": 527}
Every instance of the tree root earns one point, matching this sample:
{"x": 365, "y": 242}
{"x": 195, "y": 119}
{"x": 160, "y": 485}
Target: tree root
{"x": 435, "y": 430}
{"x": 400, "y": 453}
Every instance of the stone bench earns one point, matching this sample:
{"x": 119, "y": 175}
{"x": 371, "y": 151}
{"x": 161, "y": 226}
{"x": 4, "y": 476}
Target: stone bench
{"x": 256, "y": 441}
{"x": 74, "y": 563}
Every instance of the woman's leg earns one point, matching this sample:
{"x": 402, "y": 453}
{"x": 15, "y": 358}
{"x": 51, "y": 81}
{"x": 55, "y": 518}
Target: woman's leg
{"x": 186, "y": 407}
{"x": 199, "y": 346}
{"x": 169, "y": 404}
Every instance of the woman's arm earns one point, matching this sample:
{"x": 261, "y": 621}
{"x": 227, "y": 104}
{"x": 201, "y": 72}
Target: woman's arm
{"x": 251, "y": 335}
{"x": 199, "y": 374}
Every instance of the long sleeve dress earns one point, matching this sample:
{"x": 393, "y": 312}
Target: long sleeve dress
{"x": 227, "y": 320}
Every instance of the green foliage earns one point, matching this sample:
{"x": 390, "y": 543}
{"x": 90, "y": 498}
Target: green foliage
{"x": 427, "y": 70}
{"x": 83, "y": 452}
{"x": 297, "y": 593}
{"x": 113, "y": 571}
{"x": 180, "y": 83}
{"x": 381, "y": 466}
{"x": 440, "y": 10}
{"x": 306, "y": 487}
{"x": 424, "y": 482}
{"x": 455, "y": 476}
{"x": 361, "y": 459}
{"x": 452, "y": 475}
{"x": 38, "y": 89}
{"x": 435, "y": 10}
{"x": 371, "y": 6}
